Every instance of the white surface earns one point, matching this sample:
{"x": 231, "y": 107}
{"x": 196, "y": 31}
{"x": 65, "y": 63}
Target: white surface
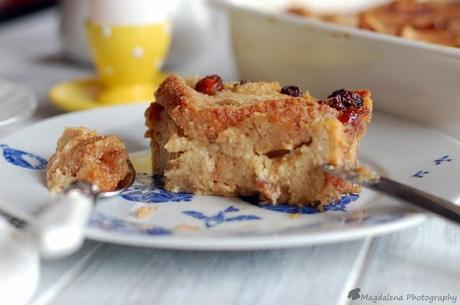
{"x": 422, "y": 258}
{"x": 384, "y": 148}
{"x": 422, "y": 261}
{"x": 208, "y": 278}
{"x": 132, "y": 12}
{"x": 412, "y": 79}
{"x": 16, "y": 103}
{"x": 19, "y": 265}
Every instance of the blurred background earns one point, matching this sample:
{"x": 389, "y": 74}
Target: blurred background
{"x": 236, "y": 44}
{"x": 195, "y": 24}
{"x": 13, "y": 8}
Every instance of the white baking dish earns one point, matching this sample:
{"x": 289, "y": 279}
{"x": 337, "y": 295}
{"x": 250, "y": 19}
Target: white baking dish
{"x": 416, "y": 80}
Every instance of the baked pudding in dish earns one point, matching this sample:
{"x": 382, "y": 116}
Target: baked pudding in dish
{"x": 255, "y": 138}
{"x": 82, "y": 154}
{"x": 435, "y": 22}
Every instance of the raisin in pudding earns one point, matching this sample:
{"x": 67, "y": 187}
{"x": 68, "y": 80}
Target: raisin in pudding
{"x": 255, "y": 138}
{"x": 82, "y": 154}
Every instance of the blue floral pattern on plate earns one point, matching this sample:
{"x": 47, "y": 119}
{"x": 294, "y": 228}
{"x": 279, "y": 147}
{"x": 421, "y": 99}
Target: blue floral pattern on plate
{"x": 108, "y": 223}
{"x": 150, "y": 189}
{"x": 23, "y": 159}
{"x": 339, "y": 205}
{"x": 220, "y": 217}
{"x": 420, "y": 174}
{"x": 442, "y": 160}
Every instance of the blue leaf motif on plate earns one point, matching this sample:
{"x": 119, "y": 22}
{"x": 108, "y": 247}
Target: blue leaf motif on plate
{"x": 231, "y": 209}
{"x": 242, "y": 218}
{"x": 23, "y": 159}
{"x": 420, "y": 174}
{"x": 220, "y": 217}
{"x": 195, "y": 214}
{"x": 108, "y": 223}
{"x": 150, "y": 189}
{"x": 156, "y": 231}
{"x": 442, "y": 160}
{"x": 339, "y": 205}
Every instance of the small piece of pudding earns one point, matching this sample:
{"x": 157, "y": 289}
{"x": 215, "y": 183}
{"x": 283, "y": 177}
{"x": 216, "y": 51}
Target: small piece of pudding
{"x": 82, "y": 154}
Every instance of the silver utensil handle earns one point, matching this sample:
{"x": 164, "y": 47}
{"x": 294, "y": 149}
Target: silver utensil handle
{"x": 416, "y": 197}
{"x": 59, "y": 228}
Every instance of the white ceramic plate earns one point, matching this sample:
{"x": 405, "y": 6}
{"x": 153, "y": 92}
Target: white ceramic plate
{"x": 405, "y": 151}
{"x": 16, "y": 103}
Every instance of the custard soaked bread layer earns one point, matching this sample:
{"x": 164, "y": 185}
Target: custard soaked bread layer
{"x": 254, "y": 138}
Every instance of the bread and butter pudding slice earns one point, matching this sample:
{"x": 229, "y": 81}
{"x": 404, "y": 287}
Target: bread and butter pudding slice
{"x": 255, "y": 138}
{"x": 82, "y": 154}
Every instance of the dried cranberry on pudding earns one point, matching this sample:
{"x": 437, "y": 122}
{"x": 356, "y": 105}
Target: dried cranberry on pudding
{"x": 293, "y": 91}
{"x": 343, "y": 99}
{"x": 349, "y": 103}
{"x": 209, "y": 85}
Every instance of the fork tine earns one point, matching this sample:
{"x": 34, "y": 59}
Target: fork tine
{"x": 362, "y": 175}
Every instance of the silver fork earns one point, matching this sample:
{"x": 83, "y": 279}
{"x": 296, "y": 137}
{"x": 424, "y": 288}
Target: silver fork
{"x": 369, "y": 179}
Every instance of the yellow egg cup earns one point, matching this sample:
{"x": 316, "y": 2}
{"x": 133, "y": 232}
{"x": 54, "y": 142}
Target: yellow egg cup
{"x": 128, "y": 59}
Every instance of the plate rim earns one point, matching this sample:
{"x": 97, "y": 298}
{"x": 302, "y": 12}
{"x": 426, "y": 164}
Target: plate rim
{"x": 257, "y": 242}
{"x": 231, "y": 243}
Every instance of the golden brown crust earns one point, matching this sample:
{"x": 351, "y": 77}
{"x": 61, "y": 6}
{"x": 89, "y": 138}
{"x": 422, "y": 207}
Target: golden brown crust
{"x": 198, "y": 115}
{"x": 82, "y": 154}
{"x": 242, "y": 142}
